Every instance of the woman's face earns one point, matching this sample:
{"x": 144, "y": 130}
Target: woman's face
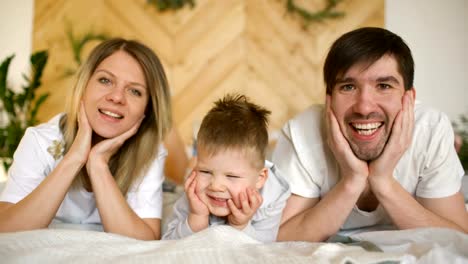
{"x": 116, "y": 95}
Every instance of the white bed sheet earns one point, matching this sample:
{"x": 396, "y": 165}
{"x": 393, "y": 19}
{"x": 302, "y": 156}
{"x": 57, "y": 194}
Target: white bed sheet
{"x": 223, "y": 244}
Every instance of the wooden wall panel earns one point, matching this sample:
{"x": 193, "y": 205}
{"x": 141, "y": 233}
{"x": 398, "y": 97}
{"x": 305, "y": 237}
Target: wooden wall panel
{"x": 249, "y": 46}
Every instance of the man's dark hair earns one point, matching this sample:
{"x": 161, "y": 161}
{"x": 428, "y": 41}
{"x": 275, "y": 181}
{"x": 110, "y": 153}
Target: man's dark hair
{"x": 367, "y": 45}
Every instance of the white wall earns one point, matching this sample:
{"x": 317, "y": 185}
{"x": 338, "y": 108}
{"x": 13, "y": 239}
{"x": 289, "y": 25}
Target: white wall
{"x": 437, "y": 33}
{"x": 16, "y": 31}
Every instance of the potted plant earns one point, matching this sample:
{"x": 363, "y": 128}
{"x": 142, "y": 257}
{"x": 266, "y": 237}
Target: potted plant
{"x": 18, "y": 109}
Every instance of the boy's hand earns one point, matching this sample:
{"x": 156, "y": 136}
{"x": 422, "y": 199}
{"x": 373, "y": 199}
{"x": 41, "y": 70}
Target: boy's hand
{"x": 249, "y": 203}
{"x": 199, "y": 214}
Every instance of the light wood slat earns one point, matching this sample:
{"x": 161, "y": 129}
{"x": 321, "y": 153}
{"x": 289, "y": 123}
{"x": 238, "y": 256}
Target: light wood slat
{"x": 249, "y": 46}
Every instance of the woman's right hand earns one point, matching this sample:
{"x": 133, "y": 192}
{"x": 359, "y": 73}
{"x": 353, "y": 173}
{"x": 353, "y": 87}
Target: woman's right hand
{"x": 82, "y": 144}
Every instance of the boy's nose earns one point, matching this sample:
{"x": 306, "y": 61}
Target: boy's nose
{"x": 216, "y": 184}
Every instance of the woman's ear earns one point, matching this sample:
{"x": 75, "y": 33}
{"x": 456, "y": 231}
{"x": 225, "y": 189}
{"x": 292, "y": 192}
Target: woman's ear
{"x": 262, "y": 177}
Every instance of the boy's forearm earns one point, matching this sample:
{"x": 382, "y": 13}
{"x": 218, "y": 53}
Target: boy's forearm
{"x": 197, "y": 222}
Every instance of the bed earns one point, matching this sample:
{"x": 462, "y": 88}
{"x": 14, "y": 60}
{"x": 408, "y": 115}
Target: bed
{"x": 69, "y": 243}
{"x": 223, "y": 244}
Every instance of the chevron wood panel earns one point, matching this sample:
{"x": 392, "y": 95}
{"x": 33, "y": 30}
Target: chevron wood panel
{"x": 249, "y": 46}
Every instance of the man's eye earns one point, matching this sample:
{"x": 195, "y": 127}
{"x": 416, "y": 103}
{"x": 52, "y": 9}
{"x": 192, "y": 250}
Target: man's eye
{"x": 347, "y": 87}
{"x": 104, "y": 80}
{"x": 384, "y": 86}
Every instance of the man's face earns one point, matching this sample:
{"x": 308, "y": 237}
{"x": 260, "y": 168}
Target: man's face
{"x": 223, "y": 176}
{"x": 365, "y": 101}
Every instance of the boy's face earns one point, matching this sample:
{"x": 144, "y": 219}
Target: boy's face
{"x": 225, "y": 175}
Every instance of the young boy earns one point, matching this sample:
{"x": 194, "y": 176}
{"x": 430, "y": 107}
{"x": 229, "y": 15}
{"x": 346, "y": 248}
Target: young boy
{"x": 231, "y": 182}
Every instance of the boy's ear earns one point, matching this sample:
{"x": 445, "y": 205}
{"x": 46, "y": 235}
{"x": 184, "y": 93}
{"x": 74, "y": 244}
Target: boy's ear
{"x": 262, "y": 177}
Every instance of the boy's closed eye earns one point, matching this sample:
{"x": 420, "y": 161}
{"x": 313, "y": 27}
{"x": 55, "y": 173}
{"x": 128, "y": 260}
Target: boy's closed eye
{"x": 231, "y": 176}
{"x": 205, "y": 171}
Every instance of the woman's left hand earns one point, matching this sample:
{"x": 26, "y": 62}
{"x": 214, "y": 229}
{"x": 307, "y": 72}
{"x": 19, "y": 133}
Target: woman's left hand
{"x": 104, "y": 150}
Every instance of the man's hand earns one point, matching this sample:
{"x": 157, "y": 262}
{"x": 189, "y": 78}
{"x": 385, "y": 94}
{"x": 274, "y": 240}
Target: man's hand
{"x": 351, "y": 168}
{"x": 199, "y": 213}
{"x": 249, "y": 203}
{"x": 381, "y": 169}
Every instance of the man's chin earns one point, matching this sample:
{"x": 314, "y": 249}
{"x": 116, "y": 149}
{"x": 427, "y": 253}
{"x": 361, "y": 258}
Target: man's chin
{"x": 367, "y": 154}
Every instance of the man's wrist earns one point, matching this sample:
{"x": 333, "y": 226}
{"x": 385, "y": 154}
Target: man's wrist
{"x": 381, "y": 185}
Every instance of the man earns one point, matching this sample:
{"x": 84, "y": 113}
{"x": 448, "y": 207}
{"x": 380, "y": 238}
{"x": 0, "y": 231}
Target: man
{"x": 370, "y": 159}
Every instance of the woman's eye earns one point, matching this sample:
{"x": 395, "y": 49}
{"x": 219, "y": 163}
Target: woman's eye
{"x": 135, "y": 92}
{"x": 104, "y": 80}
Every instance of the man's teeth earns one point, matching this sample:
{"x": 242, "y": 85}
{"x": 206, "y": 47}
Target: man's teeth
{"x": 111, "y": 114}
{"x": 366, "y": 129}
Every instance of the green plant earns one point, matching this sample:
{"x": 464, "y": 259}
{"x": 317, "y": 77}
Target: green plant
{"x": 461, "y": 128}
{"x": 18, "y": 110}
{"x": 77, "y": 43}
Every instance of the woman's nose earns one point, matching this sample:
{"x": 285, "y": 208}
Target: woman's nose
{"x": 117, "y": 95}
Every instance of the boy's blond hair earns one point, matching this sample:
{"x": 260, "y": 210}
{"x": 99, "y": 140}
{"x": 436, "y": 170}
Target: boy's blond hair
{"x": 235, "y": 123}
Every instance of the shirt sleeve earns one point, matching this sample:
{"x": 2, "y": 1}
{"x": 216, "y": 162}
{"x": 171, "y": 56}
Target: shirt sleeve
{"x": 28, "y": 170}
{"x": 442, "y": 172}
{"x": 286, "y": 158}
{"x": 146, "y": 197}
{"x": 178, "y": 226}
{"x": 266, "y": 221}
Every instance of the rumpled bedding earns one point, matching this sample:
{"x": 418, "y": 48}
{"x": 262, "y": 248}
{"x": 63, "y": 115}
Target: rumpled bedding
{"x": 223, "y": 244}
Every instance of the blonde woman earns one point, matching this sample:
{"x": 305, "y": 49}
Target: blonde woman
{"x": 100, "y": 162}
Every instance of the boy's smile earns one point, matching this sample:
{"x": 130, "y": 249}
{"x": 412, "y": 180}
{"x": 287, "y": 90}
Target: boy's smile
{"x": 224, "y": 175}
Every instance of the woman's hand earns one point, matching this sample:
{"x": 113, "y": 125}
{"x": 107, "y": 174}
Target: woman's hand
{"x": 82, "y": 144}
{"x": 101, "y": 153}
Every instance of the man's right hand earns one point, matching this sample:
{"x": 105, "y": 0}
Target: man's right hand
{"x": 351, "y": 168}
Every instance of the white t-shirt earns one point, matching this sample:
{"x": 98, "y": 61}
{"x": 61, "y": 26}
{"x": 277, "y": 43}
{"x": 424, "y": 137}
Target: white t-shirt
{"x": 34, "y": 160}
{"x": 430, "y": 168}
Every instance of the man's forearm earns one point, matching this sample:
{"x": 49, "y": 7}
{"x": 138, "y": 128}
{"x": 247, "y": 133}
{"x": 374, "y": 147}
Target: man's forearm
{"x": 404, "y": 210}
{"x": 324, "y": 219}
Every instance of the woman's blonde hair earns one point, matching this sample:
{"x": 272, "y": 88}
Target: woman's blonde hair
{"x": 137, "y": 153}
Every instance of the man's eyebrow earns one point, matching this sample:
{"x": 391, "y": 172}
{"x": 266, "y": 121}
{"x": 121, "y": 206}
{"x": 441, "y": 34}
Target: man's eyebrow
{"x": 388, "y": 79}
{"x": 345, "y": 80}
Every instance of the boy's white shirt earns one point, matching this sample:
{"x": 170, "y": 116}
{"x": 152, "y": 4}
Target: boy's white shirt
{"x": 264, "y": 224}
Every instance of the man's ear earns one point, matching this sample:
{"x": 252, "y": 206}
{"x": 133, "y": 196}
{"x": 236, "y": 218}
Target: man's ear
{"x": 262, "y": 177}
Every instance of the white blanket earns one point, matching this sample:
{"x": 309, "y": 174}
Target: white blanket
{"x": 223, "y": 244}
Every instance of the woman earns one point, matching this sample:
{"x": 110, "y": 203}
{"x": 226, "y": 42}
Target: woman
{"x": 101, "y": 162}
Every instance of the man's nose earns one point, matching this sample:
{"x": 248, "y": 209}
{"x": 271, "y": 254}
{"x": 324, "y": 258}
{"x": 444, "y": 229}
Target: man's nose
{"x": 365, "y": 101}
